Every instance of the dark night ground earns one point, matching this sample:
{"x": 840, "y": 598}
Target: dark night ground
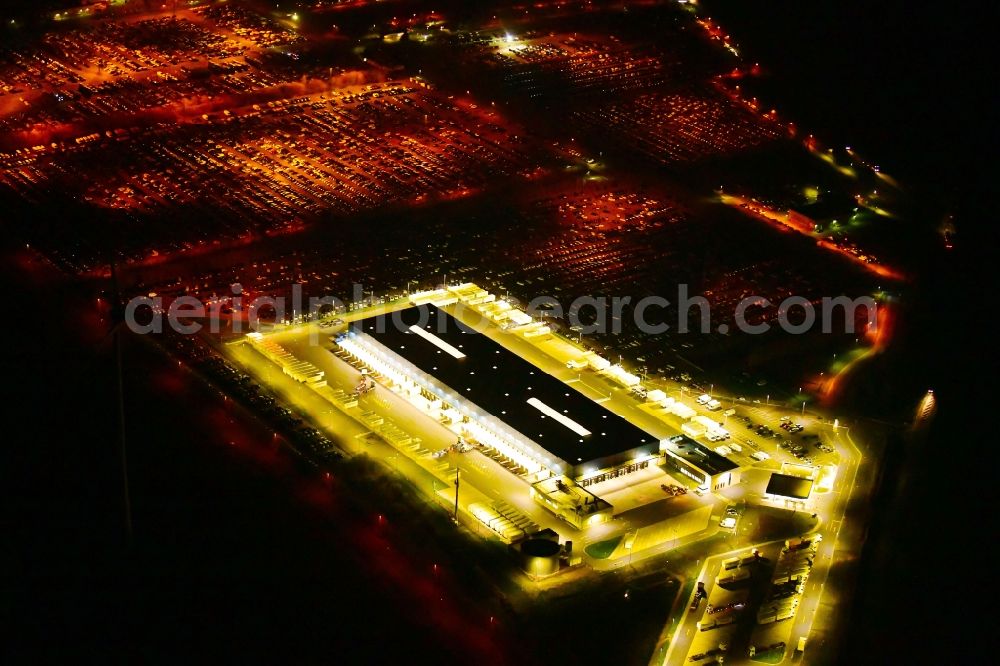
{"x": 237, "y": 554}
{"x": 906, "y": 81}
{"x": 240, "y": 554}
{"x": 223, "y": 579}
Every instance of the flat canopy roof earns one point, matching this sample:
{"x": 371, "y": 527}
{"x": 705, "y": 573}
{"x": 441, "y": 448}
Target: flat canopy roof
{"x": 541, "y": 407}
{"x": 789, "y": 486}
{"x": 700, "y": 456}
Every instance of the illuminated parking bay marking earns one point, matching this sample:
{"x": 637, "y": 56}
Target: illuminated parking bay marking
{"x": 565, "y": 420}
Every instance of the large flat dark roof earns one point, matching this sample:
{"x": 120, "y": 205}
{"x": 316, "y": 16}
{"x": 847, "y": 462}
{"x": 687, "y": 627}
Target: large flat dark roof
{"x": 700, "y": 456}
{"x": 501, "y": 382}
{"x": 789, "y": 486}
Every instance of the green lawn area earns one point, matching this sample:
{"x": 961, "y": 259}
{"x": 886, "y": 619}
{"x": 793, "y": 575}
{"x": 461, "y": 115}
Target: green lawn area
{"x": 773, "y": 656}
{"x": 601, "y": 550}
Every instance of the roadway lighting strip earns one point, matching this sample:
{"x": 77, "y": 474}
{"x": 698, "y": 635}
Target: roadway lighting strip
{"x": 565, "y": 420}
{"x": 437, "y": 342}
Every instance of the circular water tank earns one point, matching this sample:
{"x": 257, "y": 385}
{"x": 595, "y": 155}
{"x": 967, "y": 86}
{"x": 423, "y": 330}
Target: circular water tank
{"x": 540, "y": 557}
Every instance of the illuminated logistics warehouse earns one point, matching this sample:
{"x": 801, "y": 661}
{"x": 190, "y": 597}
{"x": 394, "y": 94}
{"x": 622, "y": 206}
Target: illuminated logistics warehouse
{"x": 699, "y": 463}
{"x": 488, "y": 394}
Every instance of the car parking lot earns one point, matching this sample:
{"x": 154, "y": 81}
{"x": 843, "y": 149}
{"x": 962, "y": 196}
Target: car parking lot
{"x": 274, "y": 167}
{"x": 683, "y": 126}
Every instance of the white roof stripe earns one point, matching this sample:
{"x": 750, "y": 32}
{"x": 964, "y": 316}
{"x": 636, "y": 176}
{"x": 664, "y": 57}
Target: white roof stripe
{"x": 437, "y": 342}
{"x": 565, "y": 420}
